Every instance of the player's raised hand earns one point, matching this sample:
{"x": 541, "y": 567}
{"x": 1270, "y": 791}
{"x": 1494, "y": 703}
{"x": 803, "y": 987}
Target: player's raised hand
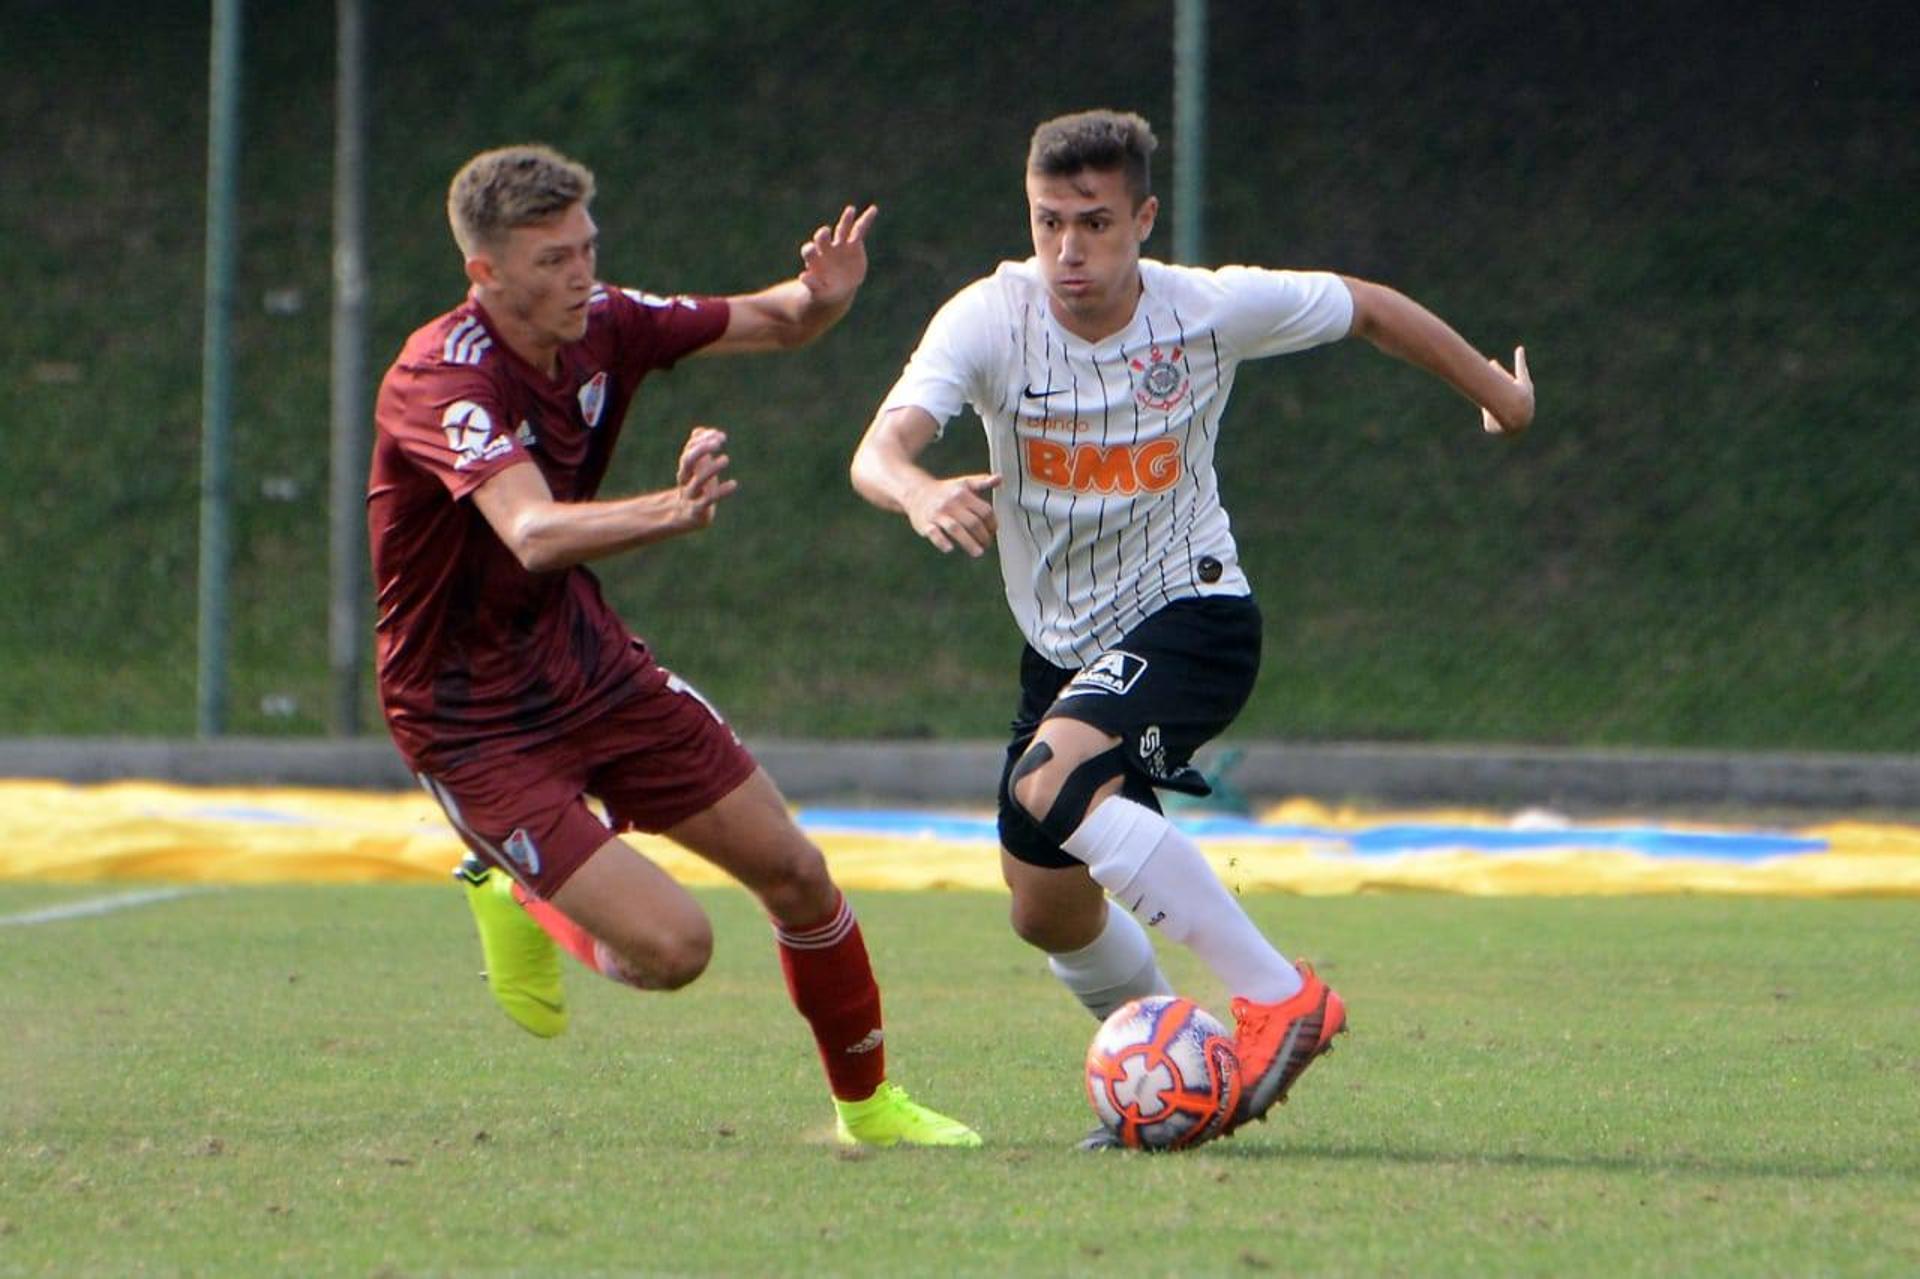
{"x": 955, "y": 512}
{"x": 834, "y": 261}
{"x": 701, "y": 478}
{"x": 1517, "y": 415}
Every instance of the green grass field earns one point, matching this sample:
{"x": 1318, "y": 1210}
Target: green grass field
{"x": 300, "y": 1080}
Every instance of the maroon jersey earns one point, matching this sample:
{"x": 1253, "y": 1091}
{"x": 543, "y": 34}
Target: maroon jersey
{"x": 476, "y": 654}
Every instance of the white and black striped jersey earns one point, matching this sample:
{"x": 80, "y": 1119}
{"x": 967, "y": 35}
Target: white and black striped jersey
{"x": 1109, "y": 508}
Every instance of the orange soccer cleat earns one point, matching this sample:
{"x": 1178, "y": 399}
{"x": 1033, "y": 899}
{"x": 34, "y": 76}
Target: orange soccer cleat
{"x": 1277, "y": 1042}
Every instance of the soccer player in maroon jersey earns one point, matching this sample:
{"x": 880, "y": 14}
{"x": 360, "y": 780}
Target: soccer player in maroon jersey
{"x": 515, "y": 692}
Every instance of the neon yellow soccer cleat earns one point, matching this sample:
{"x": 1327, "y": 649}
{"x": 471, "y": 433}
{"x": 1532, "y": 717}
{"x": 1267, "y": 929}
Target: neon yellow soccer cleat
{"x": 523, "y": 963}
{"x": 891, "y": 1118}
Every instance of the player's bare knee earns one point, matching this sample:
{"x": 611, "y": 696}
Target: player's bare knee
{"x": 683, "y": 969}
{"x": 680, "y": 956}
{"x": 1054, "y": 926}
{"x": 799, "y": 891}
{"x": 1037, "y": 925}
{"x": 666, "y": 956}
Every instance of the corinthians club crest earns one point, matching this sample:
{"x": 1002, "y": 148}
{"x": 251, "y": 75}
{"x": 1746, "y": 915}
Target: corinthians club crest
{"x": 1161, "y": 378}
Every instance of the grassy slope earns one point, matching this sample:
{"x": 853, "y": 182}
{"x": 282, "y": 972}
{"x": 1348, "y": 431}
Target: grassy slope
{"x": 1708, "y": 542}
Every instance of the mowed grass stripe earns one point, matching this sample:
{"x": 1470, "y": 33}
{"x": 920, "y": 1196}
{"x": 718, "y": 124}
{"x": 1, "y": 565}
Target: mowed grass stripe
{"x": 312, "y": 1080}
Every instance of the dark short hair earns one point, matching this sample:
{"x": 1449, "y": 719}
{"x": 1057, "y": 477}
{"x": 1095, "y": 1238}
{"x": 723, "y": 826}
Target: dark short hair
{"x": 499, "y": 190}
{"x": 1101, "y": 140}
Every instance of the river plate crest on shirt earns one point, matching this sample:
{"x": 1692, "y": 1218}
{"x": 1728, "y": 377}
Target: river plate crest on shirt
{"x": 1160, "y": 380}
{"x": 593, "y": 398}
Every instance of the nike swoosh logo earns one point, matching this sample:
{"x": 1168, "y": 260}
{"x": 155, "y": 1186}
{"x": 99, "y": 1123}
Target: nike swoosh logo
{"x": 1032, "y": 394}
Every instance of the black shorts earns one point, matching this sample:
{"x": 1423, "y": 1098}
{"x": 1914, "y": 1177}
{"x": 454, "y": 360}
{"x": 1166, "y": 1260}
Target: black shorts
{"x": 1171, "y": 685}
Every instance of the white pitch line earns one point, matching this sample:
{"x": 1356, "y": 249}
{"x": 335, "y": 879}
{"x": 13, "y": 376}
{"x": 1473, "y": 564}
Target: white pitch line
{"x": 98, "y": 906}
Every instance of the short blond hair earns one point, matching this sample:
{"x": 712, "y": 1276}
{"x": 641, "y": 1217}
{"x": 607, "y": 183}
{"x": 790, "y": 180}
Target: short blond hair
{"x": 510, "y": 187}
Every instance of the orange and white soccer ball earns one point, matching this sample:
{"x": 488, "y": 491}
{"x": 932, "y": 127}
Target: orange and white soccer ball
{"x": 1162, "y": 1074}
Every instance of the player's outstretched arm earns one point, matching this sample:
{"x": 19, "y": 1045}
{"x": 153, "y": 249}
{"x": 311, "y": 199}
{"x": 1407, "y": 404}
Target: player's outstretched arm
{"x": 1406, "y": 330}
{"x": 956, "y": 511}
{"x": 547, "y": 535}
{"x": 833, "y": 264}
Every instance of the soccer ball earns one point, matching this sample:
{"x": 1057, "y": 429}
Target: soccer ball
{"x": 1162, "y": 1074}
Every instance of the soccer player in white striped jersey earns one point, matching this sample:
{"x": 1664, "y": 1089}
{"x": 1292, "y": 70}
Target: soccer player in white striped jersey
{"x": 1101, "y": 378}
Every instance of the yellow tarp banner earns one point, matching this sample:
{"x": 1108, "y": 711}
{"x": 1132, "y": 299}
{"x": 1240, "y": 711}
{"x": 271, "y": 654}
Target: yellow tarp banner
{"x": 153, "y": 831}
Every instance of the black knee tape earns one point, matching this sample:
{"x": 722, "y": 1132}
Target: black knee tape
{"x": 1076, "y": 793}
{"x": 1036, "y": 755}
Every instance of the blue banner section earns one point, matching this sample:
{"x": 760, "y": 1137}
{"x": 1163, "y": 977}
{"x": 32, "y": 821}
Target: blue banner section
{"x": 1384, "y": 840}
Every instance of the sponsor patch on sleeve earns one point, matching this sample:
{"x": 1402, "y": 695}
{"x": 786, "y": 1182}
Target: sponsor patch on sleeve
{"x": 471, "y": 436}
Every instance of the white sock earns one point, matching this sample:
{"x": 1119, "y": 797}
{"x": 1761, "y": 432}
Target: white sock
{"x": 1162, "y": 877}
{"x": 1114, "y": 967}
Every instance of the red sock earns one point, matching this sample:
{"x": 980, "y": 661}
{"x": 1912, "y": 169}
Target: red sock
{"x": 832, "y": 985}
{"x": 573, "y": 939}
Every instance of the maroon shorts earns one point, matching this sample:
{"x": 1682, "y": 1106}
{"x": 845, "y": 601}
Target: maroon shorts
{"x": 653, "y": 761}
